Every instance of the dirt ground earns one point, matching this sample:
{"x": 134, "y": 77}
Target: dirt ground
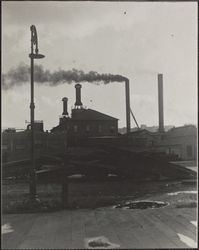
{"x": 94, "y": 194}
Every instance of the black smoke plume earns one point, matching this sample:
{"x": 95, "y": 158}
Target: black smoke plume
{"x": 21, "y": 75}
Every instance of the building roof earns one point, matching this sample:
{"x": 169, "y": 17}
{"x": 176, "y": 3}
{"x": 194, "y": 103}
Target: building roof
{"x": 90, "y": 114}
{"x": 182, "y": 131}
{"x": 143, "y": 132}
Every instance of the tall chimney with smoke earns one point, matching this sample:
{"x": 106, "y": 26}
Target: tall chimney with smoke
{"x": 65, "y": 106}
{"x": 128, "y": 120}
{"x": 160, "y": 103}
{"x": 78, "y": 103}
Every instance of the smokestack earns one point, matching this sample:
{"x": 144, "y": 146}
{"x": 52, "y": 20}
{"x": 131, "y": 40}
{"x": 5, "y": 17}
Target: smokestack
{"x": 160, "y": 103}
{"x": 128, "y": 121}
{"x": 78, "y": 102}
{"x": 65, "y": 106}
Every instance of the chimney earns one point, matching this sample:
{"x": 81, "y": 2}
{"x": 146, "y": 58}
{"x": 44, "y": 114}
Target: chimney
{"x": 78, "y": 102}
{"x": 65, "y": 106}
{"x": 160, "y": 103}
{"x": 128, "y": 121}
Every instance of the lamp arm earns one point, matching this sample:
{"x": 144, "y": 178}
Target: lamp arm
{"x": 34, "y": 40}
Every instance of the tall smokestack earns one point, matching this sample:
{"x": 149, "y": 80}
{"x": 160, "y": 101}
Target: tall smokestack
{"x": 160, "y": 103}
{"x": 65, "y": 106}
{"x": 78, "y": 102}
{"x": 128, "y": 120}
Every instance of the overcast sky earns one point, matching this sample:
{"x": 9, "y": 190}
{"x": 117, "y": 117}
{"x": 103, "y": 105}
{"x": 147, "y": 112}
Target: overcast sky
{"x": 136, "y": 40}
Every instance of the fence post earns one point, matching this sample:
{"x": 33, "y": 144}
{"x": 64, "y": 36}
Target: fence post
{"x": 64, "y": 183}
{"x": 64, "y": 191}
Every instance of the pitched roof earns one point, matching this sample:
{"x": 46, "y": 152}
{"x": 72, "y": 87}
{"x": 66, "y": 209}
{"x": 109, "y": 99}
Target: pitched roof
{"x": 90, "y": 114}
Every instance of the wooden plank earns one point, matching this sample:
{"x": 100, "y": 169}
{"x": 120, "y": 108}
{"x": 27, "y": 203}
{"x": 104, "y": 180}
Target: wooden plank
{"x": 167, "y": 230}
{"x": 189, "y": 213}
{"x": 20, "y": 229}
{"x": 176, "y": 225}
{"x": 15, "y": 163}
{"x": 168, "y": 222}
{"x": 123, "y": 230}
{"x": 78, "y": 229}
{"x": 42, "y": 233}
{"x": 179, "y": 218}
{"x": 132, "y": 232}
{"x": 155, "y": 233}
{"x": 90, "y": 225}
{"x": 149, "y": 232}
{"x": 63, "y": 235}
{"x": 105, "y": 223}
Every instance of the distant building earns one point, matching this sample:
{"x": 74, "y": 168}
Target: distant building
{"x": 181, "y": 141}
{"x": 144, "y": 139}
{"x": 85, "y": 122}
{"x": 9, "y": 130}
{"x": 38, "y": 126}
{"x": 152, "y": 129}
{"x": 156, "y": 128}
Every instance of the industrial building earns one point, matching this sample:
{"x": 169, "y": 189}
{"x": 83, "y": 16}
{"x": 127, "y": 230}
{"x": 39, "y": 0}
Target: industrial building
{"x": 96, "y": 128}
{"x": 181, "y": 141}
{"x": 85, "y": 122}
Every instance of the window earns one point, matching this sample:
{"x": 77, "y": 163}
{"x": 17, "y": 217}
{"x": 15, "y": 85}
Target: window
{"x": 87, "y": 128}
{"x": 112, "y": 129}
{"x": 75, "y": 128}
{"x": 189, "y": 150}
{"x": 100, "y": 128}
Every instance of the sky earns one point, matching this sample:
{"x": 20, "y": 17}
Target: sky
{"x": 137, "y": 40}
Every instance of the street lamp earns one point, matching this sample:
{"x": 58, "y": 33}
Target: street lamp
{"x": 33, "y": 55}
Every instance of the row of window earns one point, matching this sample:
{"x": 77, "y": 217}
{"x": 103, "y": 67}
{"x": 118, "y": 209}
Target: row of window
{"x": 88, "y": 128}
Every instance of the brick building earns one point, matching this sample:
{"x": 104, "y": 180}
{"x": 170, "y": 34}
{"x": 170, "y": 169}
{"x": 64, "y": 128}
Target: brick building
{"x": 85, "y": 122}
{"x": 88, "y": 123}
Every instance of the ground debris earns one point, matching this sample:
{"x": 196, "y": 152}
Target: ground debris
{"x": 142, "y": 204}
{"x": 100, "y": 242}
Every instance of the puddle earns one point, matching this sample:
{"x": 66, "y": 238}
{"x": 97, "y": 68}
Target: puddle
{"x": 100, "y": 242}
{"x": 194, "y": 223}
{"x": 183, "y": 192}
{"x": 187, "y": 240}
{"x": 142, "y": 205}
{"x": 6, "y": 228}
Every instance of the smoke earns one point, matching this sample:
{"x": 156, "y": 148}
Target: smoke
{"x": 21, "y": 75}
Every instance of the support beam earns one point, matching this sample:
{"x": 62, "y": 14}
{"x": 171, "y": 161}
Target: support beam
{"x": 134, "y": 118}
{"x": 128, "y": 119}
{"x": 160, "y": 103}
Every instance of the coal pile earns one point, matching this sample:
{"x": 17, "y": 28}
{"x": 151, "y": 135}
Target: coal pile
{"x": 126, "y": 164}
